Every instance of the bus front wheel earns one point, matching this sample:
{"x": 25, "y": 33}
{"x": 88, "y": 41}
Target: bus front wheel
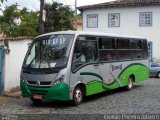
{"x": 77, "y": 96}
{"x": 130, "y": 83}
{"x": 158, "y": 74}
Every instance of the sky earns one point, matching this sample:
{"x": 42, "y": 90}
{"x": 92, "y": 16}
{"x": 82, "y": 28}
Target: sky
{"x": 35, "y": 4}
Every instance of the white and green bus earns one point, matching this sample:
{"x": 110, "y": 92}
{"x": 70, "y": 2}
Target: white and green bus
{"x": 69, "y": 65}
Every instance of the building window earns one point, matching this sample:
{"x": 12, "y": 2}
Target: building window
{"x": 114, "y": 20}
{"x": 92, "y": 21}
{"x": 145, "y": 19}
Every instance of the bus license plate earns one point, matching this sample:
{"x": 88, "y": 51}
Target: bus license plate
{"x": 38, "y": 97}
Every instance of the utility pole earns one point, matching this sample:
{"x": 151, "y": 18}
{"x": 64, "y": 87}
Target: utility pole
{"x": 75, "y": 22}
{"x": 17, "y": 7}
{"x": 41, "y": 22}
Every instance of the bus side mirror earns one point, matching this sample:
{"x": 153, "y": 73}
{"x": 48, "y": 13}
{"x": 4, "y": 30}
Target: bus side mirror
{"x": 29, "y": 44}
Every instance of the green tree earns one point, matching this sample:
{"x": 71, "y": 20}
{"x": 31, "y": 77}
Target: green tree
{"x": 2, "y": 1}
{"x": 58, "y": 17}
{"x": 28, "y": 26}
{"x": 79, "y": 16}
{"x": 6, "y": 21}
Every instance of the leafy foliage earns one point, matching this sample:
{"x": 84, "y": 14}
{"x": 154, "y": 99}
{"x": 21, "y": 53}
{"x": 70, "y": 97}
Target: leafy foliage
{"x": 28, "y": 26}
{"x": 2, "y": 1}
{"x": 58, "y": 17}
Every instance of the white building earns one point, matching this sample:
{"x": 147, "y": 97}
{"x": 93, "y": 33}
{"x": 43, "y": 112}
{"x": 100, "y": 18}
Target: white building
{"x": 129, "y": 17}
{"x": 17, "y": 21}
{"x": 12, "y": 53}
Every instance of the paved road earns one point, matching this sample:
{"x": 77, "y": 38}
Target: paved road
{"x": 143, "y": 99}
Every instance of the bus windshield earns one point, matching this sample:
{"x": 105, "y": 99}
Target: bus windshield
{"x": 49, "y": 51}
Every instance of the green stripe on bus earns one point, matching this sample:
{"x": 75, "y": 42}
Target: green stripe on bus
{"x": 96, "y": 86}
{"x": 140, "y": 72}
{"x": 92, "y": 74}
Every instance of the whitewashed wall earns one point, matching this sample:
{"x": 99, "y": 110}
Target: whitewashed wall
{"x": 13, "y": 63}
{"x": 129, "y": 23}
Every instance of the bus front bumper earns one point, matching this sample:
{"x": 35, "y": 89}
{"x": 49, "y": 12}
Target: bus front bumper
{"x": 57, "y": 92}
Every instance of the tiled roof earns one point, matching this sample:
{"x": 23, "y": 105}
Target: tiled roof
{"x": 17, "y": 38}
{"x": 121, "y": 3}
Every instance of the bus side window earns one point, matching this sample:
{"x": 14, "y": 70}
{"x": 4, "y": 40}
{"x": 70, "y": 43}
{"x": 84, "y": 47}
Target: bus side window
{"x": 145, "y": 49}
{"x": 136, "y": 49}
{"x": 78, "y": 55}
{"x": 87, "y": 54}
{"x": 100, "y": 43}
{"x": 123, "y": 49}
{"x": 107, "y": 49}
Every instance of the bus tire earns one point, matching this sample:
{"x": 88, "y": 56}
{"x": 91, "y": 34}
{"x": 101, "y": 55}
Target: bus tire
{"x": 77, "y": 96}
{"x": 158, "y": 74}
{"x": 35, "y": 101}
{"x": 130, "y": 83}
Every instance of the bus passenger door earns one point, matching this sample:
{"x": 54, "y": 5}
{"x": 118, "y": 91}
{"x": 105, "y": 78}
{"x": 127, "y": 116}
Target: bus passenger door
{"x": 85, "y": 66}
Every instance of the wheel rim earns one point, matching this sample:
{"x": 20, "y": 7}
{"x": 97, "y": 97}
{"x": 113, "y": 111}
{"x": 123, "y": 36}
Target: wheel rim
{"x": 159, "y": 75}
{"x": 78, "y": 95}
{"x": 130, "y": 83}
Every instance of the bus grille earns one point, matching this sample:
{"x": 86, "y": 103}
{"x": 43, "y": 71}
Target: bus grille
{"x": 41, "y": 83}
{"x": 38, "y": 92}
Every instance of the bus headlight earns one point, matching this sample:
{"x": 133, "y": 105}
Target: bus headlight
{"x": 59, "y": 80}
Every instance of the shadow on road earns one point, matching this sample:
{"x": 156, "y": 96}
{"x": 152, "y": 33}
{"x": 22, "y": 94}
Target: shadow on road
{"x": 108, "y": 93}
{"x": 67, "y": 104}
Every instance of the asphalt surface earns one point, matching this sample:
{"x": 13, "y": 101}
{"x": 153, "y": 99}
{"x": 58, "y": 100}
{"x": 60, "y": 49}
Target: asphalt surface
{"x": 144, "y": 99}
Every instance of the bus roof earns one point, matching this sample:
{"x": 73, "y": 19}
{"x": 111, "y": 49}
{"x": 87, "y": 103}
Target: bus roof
{"x": 91, "y": 33}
